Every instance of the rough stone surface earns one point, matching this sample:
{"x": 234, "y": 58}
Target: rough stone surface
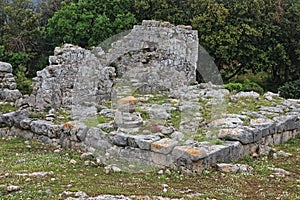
{"x": 163, "y": 146}
{"x": 158, "y": 56}
{"x": 75, "y": 77}
{"x": 8, "y": 86}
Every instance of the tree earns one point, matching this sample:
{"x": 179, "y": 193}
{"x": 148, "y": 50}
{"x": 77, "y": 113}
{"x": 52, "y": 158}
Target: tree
{"x": 87, "y": 23}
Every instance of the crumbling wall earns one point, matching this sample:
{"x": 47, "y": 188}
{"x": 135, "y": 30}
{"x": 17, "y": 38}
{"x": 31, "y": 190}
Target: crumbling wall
{"x": 8, "y": 86}
{"x": 156, "y": 55}
{"x": 74, "y": 77}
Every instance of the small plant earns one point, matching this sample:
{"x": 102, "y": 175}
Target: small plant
{"x": 290, "y": 90}
{"x": 233, "y": 87}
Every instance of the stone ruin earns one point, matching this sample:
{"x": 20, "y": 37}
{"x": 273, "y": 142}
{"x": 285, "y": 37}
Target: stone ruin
{"x": 8, "y": 86}
{"x": 153, "y": 58}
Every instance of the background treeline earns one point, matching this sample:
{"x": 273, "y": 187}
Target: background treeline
{"x": 253, "y": 40}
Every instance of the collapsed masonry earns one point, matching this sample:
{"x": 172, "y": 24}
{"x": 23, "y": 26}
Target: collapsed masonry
{"x": 154, "y": 56}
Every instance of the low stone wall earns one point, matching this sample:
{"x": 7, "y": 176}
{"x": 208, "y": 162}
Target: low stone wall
{"x": 155, "y": 150}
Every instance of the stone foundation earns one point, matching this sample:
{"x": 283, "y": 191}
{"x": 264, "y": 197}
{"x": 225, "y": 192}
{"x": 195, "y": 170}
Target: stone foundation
{"x": 153, "y": 150}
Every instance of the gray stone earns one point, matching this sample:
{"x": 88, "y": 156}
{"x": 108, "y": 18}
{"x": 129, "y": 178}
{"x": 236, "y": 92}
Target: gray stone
{"x": 163, "y": 146}
{"x": 97, "y": 139}
{"x": 10, "y": 95}
{"x": 45, "y": 128}
{"x": 272, "y": 109}
{"x": 270, "y": 96}
{"x": 118, "y": 138}
{"x": 237, "y": 134}
{"x": 233, "y": 168}
{"x": 227, "y": 123}
{"x": 5, "y": 67}
{"x": 142, "y": 141}
{"x": 194, "y": 153}
{"x": 246, "y": 95}
{"x": 159, "y": 112}
{"x": 177, "y": 136}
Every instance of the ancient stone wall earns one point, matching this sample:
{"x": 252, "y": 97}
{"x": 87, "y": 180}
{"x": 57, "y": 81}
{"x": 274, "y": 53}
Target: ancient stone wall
{"x": 74, "y": 78}
{"x": 154, "y": 56}
{"x": 157, "y": 55}
{"x": 8, "y": 86}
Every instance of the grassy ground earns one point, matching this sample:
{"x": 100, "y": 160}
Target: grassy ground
{"x": 20, "y": 156}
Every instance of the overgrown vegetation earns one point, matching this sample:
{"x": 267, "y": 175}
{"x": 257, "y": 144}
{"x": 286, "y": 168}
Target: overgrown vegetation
{"x": 19, "y": 156}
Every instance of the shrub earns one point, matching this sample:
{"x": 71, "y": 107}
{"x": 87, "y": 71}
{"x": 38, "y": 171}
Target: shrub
{"x": 246, "y": 86}
{"x": 233, "y": 87}
{"x": 290, "y": 90}
{"x": 249, "y": 86}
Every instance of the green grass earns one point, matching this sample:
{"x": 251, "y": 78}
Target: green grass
{"x": 93, "y": 122}
{"x": 5, "y": 108}
{"x": 16, "y": 157}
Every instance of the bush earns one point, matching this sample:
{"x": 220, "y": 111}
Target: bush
{"x": 249, "y": 86}
{"x": 246, "y": 86}
{"x": 233, "y": 87}
{"x": 290, "y": 90}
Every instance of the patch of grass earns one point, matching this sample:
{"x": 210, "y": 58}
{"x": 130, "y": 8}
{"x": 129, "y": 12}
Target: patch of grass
{"x": 175, "y": 118}
{"x": 16, "y": 158}
{"x": 158, "y": 99}
{"x": 38, "y": 115}
{"x": 62, "y": 117}
{"x": 6, "y": 107}
{"x": 93, "y": 122}
{"x": 144, "y": 113}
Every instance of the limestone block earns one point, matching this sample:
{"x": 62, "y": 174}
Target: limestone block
{"x": 194, "y": 153}
{"x": 236, "y": 134}
{"x": 163, "y": 146}
{"x": 142, "y": 141}
{"x": 118, "y": 138}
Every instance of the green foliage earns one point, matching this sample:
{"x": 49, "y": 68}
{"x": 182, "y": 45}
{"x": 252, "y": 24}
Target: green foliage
{"x": 6, "y": 107}
{"x": 290, "y": 90}
{"x": 23, "y": 83}
{"x": 87, "y": 23}
{"x": 249, "y": 86}
{"x": 233, "y": 87}
{"x": 246, "y": 86}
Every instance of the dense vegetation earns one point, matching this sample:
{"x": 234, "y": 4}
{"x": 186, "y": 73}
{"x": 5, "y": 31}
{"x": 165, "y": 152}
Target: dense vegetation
{"x": 254, "y": 39}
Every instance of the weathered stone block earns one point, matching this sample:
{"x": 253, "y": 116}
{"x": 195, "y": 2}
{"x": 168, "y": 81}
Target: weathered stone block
{"x": 194, "y": 153}
{"x": 238, "y": 134}
{"x": 163, "y": 146}
{"x": 118, "y": 138}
